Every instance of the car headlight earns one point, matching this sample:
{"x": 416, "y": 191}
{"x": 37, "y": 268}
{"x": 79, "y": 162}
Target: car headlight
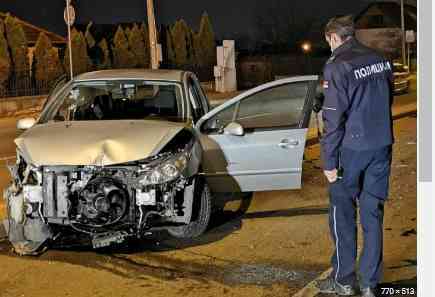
{"x": 168, "y": 171}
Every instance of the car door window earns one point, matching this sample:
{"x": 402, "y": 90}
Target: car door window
{"x": 279, "y": 106}
{"x": 220, "y": 120}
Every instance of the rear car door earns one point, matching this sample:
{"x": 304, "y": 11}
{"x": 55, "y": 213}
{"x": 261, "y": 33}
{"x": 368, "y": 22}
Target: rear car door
{"x": 268, "y": 155}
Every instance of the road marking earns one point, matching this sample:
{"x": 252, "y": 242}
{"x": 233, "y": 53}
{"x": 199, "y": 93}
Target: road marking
{"x": 311, "y": 290}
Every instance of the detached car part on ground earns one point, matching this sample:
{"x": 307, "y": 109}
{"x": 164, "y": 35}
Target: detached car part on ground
{"x": 118, "y": 154}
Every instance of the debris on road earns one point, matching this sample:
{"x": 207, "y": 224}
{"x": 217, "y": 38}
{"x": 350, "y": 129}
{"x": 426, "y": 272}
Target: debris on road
{"x": 261, "y": 275}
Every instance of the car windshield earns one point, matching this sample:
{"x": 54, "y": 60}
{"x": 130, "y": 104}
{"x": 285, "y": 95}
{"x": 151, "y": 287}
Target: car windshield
{"x": 117, "y": 100}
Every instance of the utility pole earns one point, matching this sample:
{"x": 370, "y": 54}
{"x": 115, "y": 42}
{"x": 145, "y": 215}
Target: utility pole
{"x": 153, "y": 35}
{"x": 402, "y": 11}
{"x": 69, "y": 16}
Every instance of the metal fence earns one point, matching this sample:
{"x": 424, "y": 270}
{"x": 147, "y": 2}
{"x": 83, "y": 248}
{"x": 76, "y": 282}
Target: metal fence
{"x": 19, "y": 85}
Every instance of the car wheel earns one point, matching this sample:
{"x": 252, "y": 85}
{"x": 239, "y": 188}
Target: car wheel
{"x": 201, "y": 210}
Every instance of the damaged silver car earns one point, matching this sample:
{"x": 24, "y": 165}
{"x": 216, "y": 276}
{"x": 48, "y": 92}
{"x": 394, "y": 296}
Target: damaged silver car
{"x": 120, "y": 153}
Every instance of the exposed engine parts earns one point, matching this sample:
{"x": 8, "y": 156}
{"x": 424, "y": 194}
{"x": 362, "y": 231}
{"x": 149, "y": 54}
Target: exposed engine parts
{"x": 102, "y": 202}
{"x": 95, "y": 198}
{"x": 108, "y": 204}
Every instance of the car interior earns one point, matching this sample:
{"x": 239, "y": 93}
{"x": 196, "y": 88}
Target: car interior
{"x": 120, "y": 101}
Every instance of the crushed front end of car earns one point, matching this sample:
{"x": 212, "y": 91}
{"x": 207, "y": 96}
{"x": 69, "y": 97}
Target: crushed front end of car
{"x": 107, "y": 204}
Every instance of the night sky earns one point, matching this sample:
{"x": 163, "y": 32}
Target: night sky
{"x": 231, "y": 18}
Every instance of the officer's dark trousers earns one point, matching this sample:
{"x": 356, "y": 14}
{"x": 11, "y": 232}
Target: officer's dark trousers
{"x": 364, "y": 183}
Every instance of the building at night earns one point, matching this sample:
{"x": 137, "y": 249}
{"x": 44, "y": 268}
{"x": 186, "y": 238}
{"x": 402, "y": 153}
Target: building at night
{"x": 32, "y": 33}
{"x": 379, "y": 25}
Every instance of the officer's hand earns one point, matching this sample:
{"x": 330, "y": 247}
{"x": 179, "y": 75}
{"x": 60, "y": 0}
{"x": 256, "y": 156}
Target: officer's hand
{"x": 331, "y": 175}
{"x": 318, "y": 102}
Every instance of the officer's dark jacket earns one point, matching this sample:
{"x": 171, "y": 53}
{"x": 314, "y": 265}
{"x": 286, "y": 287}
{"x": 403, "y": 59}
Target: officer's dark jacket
{"x": 358, "y": 97}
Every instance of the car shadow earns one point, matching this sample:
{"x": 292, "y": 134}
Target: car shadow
{"x": 222, "y": 224}
{"x": 288, "y": 212}
{"x": 140, "y": 259}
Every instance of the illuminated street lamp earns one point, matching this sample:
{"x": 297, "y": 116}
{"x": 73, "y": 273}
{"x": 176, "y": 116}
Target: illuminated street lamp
{"x": 306, "y": 47}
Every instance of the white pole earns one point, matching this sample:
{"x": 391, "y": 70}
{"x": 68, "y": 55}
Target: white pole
{"x": 69, "y": 39}
{"x": 403, "y": 32}
{"x": 409, "y": 49}
{"x": 152, "y": 34}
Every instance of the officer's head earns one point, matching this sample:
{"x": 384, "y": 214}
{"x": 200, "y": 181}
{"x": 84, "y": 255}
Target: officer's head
{"x": 338, "y": 30}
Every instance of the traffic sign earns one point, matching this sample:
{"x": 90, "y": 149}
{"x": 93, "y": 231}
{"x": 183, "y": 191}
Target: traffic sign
{"x": 72, "y": 15}
{"x": 410, "y": 36}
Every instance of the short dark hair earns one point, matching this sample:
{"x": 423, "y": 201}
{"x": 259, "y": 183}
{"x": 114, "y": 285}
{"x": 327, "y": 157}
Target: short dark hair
{"x": 343, "y": 26}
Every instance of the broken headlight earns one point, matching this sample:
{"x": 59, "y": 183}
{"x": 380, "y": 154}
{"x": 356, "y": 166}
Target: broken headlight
{"x": 167, "y": 171}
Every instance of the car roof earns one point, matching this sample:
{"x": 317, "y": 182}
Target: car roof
{"x": 146, "y": 74}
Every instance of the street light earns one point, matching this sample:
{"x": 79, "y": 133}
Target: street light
{"x": 306, "y": 47}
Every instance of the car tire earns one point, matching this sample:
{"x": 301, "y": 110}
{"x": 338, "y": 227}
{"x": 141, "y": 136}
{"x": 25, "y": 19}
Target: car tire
{"x": 201, "y": 211}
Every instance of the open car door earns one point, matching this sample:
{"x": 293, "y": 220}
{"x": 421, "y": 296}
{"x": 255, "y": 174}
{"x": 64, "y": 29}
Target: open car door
{"x": 256, "y": 141}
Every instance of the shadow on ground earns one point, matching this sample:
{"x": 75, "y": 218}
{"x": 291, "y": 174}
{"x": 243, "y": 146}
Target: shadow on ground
{"x": 148, "y": 257}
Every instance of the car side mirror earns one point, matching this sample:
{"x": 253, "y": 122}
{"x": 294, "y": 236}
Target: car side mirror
{"x": 235, "y": 129}
{"x": 25, "y": 123}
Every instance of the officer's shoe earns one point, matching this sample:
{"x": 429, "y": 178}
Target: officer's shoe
{"x": 368, "y": 292}
{"x": 330, "y": 286}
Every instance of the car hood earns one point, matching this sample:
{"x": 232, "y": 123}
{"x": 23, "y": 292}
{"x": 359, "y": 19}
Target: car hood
{"x": 98, "y": 143}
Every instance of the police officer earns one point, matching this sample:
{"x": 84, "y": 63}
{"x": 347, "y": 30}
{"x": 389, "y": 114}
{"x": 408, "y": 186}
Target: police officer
{"x": 356, "y": 153}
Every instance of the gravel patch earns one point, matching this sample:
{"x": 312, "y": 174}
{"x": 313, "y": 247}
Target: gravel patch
{"x": 261, "y": 275}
